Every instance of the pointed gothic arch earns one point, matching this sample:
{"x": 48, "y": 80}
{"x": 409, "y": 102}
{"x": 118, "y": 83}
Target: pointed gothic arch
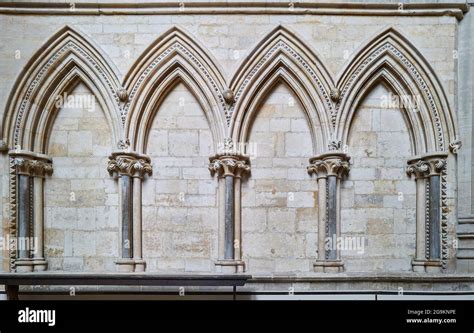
{"x": 283, "y": 53}
{"x": 173, "y": 56}
{"x": 391, "y": 57}
{"x": 395, "y": 84}
{"x": 66, "y": 59}
{"x": 284, "y": 56}
{"x": 282, "y": 74}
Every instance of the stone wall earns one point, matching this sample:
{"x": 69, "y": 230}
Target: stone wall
{"x": 81, "y": 200}
{"x": 279, "y": 198}
{"x": 378, "y": 197}
{"x": 182, "y": 225}
{"x": 180, "y": 200}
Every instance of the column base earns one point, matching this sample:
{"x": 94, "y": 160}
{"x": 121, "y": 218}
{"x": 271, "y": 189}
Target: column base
{"x": 328, "y": 266}
{"x": 24, "y": 265}
{"x": 40, "y": 264}
{"x": 140, "y": 265}
{"x": 230, "y": 266}
{"x": 426, "y": 266}
{"x": 126, "y": 265}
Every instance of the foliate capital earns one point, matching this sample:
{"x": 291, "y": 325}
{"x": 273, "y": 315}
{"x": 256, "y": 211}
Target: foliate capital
{"x": 31, "y": 164}
{"x": 418, "y": 168}
{"x": 333, "y": 163}
{"x": 427, "y": 165}
{"x": 234, "y": 165}
{"x": 129, "y": 164}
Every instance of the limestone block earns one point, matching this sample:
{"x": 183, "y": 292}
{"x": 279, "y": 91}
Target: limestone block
{"x": 280, "y": 124}
{"x": 160, "y": 145}
{"x": 73, "y": 264}
{"x": 84, "y": 243}
{"x": 198, "y": 265}
{"x": 190, "y": 245}
{"x": 298, "y": 144}
{"x": 281, "y": 220}
{"x": 270, "y": 245}
{"x": 79, "y": 143}
{"x": 293, "y": 265}
{"x": 86, "y": 218}
{"x": 380, "y": 226}
{"x": 270, "y": 199}
{"x": 170, "y": 186}
{"x": 363, "y": 187}
{"x": 106, "y": 242}
{"x": 301, "y": 199}
{"x": 368, "y": 200}
{"x": 306, "y": 220}
{"x": 63, "y": 217}
{"x": 185, "y": 143}
{"x": 254, "y": 219}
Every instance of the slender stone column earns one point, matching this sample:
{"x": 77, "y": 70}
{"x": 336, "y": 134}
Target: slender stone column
{"x": 127, "y": 215}
{"x": 322, "y": 203}
{"x": 41, "y": 170}
{"x": 24, "y": 263}
{"x": 137, "y": 225}
{"x": 31, "y": 170}
{"x": 130, "y": 168}
{"x": 329, "y": 168}
{"x": 230, "y": 167}
{"x": 437, "y": 163}
{"x": 221, "y": 222}
{"x": 419, "y": 169}
{"x": 427, "y": 171}
{"x": 229, "y": 218}
{"x": 237, "y": 218}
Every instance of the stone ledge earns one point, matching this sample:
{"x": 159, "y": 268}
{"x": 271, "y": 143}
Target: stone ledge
{"x": 456, "y": 9}
{"x": 364, "y": 277}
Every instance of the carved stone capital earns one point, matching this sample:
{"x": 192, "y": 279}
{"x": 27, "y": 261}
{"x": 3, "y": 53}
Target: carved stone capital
{"x": 32, "y": 164}
{"x": 418, "y": 168}
{"x": 427, "y": 165}
{"x": 129, "y": 164}
{"x": 229, "y": 165}
{"x": 333, "y": 163}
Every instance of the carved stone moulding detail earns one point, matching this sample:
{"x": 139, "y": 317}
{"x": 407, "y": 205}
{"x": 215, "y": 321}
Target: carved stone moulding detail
{"x": 31, "y": 164}
{"x": 426, "y": 165}
{"x": 129, "y": 164}
{"x": 455, "y": 145}
{"x": 333, "y": 163}
{"x": 27, "y": 100}
{"x": 228, "y": 95}
{"x": 224, "y": 164}
{"x": 122, "y": 94}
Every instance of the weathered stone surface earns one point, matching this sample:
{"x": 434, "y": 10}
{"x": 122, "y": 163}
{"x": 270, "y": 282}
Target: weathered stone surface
{"x": 383, "y": 194}
{"x": 280, "y": 201}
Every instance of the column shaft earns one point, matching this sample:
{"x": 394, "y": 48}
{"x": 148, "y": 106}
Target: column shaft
{"x": 229, "y": 218}
{"x": 24, "y": 216}
{"x": 38, "y": 217}
{"x": 137, "y": 218}
{"x": 331, "y": 227}
{"x": 435, "y": 215}
{"x": 322, "y": 200}
{"x": 127, "y": 211}
{"x": 420, "y": 218}
{"x": 222, "y": 207}
{"x": 237, "y": 219}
